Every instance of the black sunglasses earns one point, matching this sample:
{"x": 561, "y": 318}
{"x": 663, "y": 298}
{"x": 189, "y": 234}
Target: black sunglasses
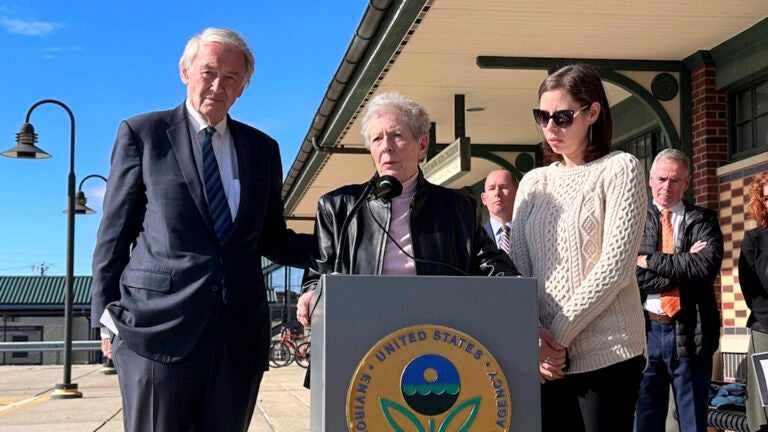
{"x": 562, "y": 118}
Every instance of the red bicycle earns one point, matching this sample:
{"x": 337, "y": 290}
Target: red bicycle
{"x": 289, "y": 347}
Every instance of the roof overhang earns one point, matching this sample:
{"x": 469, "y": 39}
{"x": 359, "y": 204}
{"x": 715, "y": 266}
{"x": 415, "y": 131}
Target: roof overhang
{"x": 495, "y": 53}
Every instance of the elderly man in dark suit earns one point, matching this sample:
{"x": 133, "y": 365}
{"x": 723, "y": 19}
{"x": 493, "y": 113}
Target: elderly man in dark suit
{"x": 499, "y": 196}
{"x": 192, "y": 204}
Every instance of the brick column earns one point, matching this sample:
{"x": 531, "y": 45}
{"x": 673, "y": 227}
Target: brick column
{"x": 709, "y": 128}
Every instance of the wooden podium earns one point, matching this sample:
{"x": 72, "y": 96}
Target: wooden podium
{"x": 424, "y": 353}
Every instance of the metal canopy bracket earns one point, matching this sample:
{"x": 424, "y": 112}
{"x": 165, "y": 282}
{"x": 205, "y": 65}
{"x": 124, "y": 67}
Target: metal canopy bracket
{"x": 338, "y": 150}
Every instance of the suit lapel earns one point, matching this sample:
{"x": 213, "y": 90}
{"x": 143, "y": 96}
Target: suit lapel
{"x": 243, "y": 150}
{"x": 181, "y": 142}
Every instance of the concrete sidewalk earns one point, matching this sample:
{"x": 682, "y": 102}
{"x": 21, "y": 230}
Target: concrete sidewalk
{"x": 26, "y": 404}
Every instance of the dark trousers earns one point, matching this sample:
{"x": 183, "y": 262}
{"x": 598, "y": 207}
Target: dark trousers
{"x": 602, "y": 400}
{"x": 208, "y": 391}
{"x": 689, "y": 379}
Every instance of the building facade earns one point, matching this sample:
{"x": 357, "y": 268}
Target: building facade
{"x": 678, "y": 75}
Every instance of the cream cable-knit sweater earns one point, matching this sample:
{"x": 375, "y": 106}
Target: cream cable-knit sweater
{"x": 577, "y": 230}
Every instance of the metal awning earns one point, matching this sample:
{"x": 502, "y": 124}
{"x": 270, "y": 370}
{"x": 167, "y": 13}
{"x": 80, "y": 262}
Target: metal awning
{"x": 429, "y": 50}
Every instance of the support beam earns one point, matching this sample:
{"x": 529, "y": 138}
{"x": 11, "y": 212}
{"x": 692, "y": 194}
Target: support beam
{"x": 459, "y": 118}
{"x": 554, "y": 63}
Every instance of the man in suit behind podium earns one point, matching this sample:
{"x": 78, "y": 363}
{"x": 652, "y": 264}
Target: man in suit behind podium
{"x": 499, "y": 196}
{"x": 192, "y": 204}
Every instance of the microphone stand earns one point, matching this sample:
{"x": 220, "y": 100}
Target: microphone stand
{"x": 421, "y": 260}
{"x": 345, "y": 225}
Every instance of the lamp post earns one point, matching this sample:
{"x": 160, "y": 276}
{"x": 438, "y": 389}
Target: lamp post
{"x": 25, "y": 149}
{"x": 80, "y": 200}
{"x": 82, "y": 209}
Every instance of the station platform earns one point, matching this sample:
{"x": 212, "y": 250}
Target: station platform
{"x": 26, "y": 403}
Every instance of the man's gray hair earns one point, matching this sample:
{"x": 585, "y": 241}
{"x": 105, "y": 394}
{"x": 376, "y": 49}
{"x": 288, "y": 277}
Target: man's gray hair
{"x": 412, "y": 112}
{"x": 674, "y": 155}
{"x": 223, "y": 36}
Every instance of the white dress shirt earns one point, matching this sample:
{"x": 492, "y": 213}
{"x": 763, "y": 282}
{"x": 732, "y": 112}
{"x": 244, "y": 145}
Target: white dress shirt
{"x": 223, "y": 148}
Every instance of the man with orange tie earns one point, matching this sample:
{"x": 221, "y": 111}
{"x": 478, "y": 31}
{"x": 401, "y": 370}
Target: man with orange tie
{"x": 499, "y": 196}
{"x": 679, "y": 260}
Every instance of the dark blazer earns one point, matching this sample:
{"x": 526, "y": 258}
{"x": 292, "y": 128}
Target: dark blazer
{"x": 753, "y": 276}
{"x": 158, "y": 266}
{"x": 697, "y": 325}
{"x": 489, "y": 230}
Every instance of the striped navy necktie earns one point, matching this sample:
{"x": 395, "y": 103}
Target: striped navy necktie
{"x": 218, "y": 205}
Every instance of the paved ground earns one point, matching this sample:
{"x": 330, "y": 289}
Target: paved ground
{"x": 26, "y": 404}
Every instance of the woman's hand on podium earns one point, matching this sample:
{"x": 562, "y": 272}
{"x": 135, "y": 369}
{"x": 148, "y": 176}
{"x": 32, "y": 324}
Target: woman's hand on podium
{"x": 302, "y": 308}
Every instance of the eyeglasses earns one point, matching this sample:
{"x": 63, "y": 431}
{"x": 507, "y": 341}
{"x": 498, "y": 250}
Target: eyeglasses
{"x": 562, "y": 118}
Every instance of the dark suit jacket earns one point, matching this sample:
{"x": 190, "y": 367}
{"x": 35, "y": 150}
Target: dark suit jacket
{"x": 489, "y": 229}
{"x": 491, "y": 234}
{"x": 158, "y": 266}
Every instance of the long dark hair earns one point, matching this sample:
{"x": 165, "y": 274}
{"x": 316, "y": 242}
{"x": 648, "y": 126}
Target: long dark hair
{"x": 582, "y": 82}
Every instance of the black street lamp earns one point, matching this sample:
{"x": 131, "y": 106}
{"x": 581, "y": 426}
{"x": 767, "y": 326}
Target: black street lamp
{"x": 25, "y": 149}
{"x": 80, "y": 200}
{"x": 81, "y": 209}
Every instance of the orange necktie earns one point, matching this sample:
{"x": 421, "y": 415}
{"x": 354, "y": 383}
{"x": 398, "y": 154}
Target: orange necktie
{"x": 670, "y": 300}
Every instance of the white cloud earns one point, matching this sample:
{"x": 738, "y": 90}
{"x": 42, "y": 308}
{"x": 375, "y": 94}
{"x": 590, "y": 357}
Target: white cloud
{"x": 60, "y": 49}
{"x": 95, "y": 196}
{"x": 28, "y": 28}
{"x": 49, "y": 53}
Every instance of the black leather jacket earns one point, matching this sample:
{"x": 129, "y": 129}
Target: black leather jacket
{"x": 447, "y": 236}
{"x": 753, "y": 277}
{"x": 697, "y": 325}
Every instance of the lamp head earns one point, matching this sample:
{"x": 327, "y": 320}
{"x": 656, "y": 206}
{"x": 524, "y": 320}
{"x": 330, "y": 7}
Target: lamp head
{"x": 80, "y": 207}
{"x": 25, "y": 145}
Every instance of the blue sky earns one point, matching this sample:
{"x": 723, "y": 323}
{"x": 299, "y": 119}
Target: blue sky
{"x": 111, "y": 60}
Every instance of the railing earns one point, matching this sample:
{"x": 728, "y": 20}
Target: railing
{"x": 89, "y": 345}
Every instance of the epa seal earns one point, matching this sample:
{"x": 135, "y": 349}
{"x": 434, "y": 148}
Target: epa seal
{"x": 428, "y": 378}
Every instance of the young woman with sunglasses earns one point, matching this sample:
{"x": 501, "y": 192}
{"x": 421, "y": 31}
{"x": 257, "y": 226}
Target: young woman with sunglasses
{"x": 577, "y": 229}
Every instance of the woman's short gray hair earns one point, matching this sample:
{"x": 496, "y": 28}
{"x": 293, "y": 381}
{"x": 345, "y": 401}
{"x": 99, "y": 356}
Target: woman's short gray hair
{"x": 223, "y": 36}
{"x": 412, "y": 112}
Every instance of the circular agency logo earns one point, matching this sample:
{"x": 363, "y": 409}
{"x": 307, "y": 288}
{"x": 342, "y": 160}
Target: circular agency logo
{"x": 428, "y": 378}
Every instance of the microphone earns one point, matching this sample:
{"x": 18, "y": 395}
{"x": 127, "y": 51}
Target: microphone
{"x": 387, "y": 188}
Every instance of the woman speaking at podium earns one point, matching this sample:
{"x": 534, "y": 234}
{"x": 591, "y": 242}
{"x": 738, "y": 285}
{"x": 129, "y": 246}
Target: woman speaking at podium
{"x": 398, "y": 223}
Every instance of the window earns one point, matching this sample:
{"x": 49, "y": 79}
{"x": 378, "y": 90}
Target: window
{"x": 645, "y": 147}
{"x": 19, "y": 354}
{"x": 749, "y": 120}
{"x": 296, "y": 277}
